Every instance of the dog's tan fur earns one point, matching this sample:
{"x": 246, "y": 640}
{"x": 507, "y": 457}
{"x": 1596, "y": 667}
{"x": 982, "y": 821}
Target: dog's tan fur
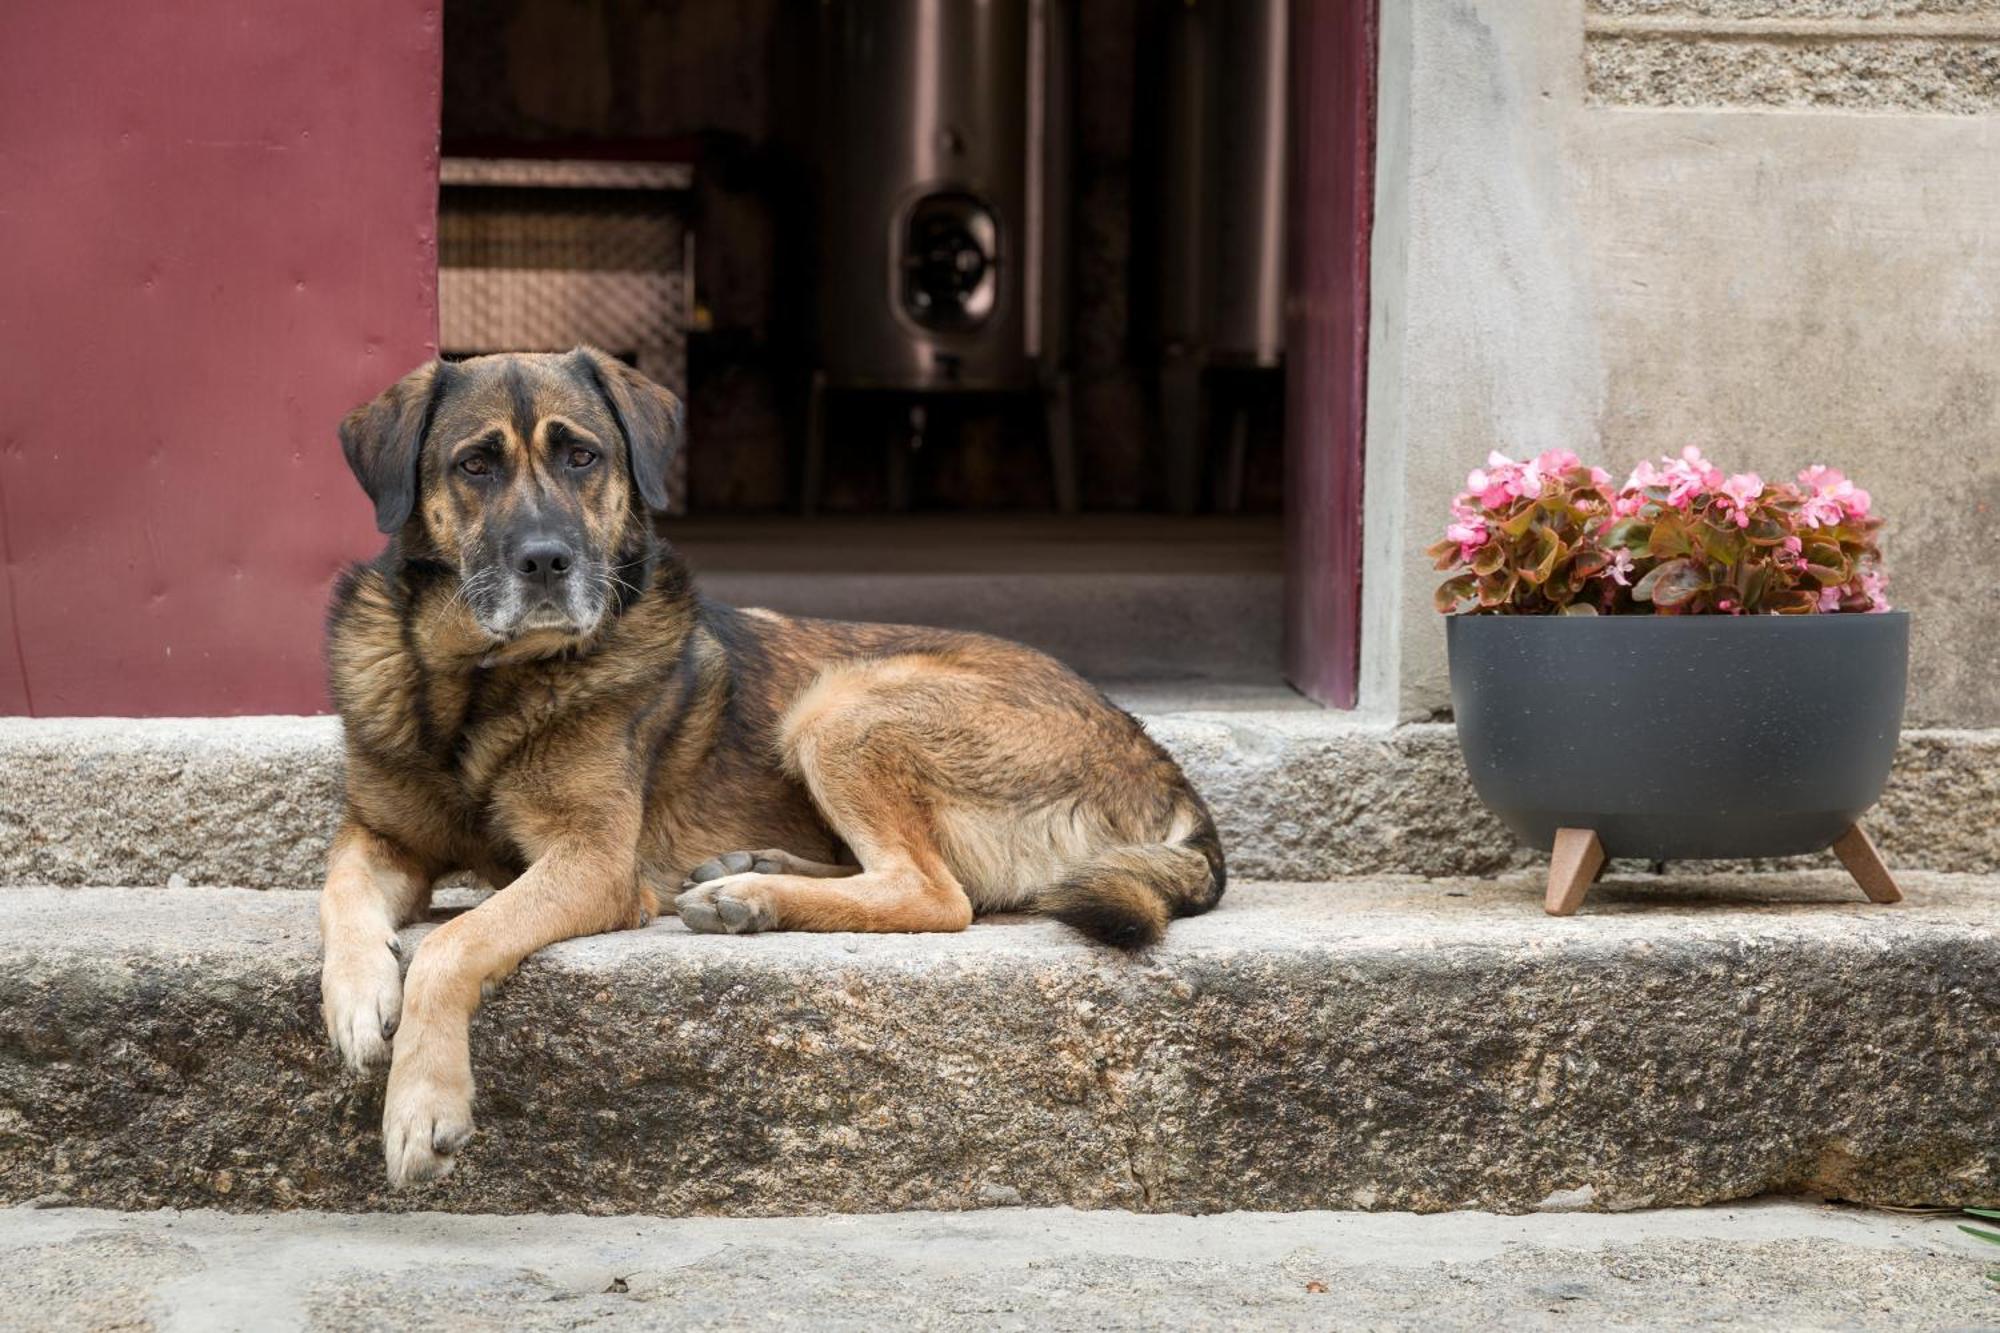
{"x": 755, "y": 771}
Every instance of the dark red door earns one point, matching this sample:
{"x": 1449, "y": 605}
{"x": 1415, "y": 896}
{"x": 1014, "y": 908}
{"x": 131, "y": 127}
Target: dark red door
{"x": 1332, "y": 191}
{"x": 218, "y": 234}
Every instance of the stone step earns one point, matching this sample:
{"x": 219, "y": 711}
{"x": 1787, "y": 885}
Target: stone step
{"x": 1299, "y": 794}
{"x": 1377, "y": 1044}
{"x": 1770, "y": 1264}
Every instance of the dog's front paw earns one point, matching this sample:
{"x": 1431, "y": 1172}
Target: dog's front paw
{"x": 427, "y": 1115}
{"x": 361, "y": 998}
{"x": 733, "y": 905}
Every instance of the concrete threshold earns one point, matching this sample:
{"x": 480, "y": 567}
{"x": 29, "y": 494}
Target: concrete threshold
{"x": 1771, "y": 1264}
{"x": 1299, "y": 793}
{"x": 1373, "y": 1044}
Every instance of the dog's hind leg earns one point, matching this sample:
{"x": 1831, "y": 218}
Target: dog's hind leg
{"x": 902, "y": 884}
{"x": 860, "y": 754}
{"x": 896, "y": 895}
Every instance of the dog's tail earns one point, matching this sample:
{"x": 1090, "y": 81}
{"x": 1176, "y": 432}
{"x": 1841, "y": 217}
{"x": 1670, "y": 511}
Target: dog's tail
{"x": 1125, "y": 896}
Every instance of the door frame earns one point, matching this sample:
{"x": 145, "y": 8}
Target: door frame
{"x": 1331, "y": 198}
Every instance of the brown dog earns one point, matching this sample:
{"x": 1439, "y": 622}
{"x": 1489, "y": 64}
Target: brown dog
{"x": 532, "y": 691}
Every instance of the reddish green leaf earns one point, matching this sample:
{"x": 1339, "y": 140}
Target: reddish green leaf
{"x": 1766, "y": 531}
{"x": 1453, "y": 591}
{"x": 1671, "y": 584}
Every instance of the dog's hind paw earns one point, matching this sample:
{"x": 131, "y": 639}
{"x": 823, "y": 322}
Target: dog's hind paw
{"x": 770, "y": 861}
{"x": 732, "y": 905}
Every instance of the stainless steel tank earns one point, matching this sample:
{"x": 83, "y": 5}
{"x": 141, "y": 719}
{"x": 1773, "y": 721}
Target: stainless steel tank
{"x": 1218, "y": 210}
{"x": 940, "y": 139}
{"x": 1210, "y": 230}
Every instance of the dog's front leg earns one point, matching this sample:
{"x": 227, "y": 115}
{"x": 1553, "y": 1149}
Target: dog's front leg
{"x": 372, "y": 887}
{"x": 579, "y": 884}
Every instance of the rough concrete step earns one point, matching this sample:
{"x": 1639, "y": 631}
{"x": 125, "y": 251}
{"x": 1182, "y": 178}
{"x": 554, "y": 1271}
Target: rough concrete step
{"x": 1772, "y": 1264}
{"x": 1299, "y": 794}
{"x": 1379, "y": 1045}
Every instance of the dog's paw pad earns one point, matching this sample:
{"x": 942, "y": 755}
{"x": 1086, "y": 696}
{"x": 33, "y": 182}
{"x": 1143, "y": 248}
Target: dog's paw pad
{"x": 719, "y": 908}
{"x": 421, "y": 1136}
{"x": 769, "y": 861}
{"x": 361, "y": 999}
{"x": 729, "y": 863}
{"x": 698, "y": 914}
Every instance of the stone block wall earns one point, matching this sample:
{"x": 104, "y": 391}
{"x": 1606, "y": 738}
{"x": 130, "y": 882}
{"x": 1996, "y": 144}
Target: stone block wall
{"x": 1762, "y": 226}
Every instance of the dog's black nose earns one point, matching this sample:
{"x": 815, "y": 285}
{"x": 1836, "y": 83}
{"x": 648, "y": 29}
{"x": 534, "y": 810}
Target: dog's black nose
{"x": 543, "y": 560}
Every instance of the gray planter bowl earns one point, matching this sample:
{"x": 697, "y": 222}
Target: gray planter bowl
{"x": 1680, "y": 737}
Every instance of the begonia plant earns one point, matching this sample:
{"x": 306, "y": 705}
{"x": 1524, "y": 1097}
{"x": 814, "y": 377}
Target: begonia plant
{"x": 1550, "y": 536}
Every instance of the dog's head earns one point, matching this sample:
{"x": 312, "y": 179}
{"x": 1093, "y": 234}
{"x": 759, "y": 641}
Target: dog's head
{"x": 532, "y": 475}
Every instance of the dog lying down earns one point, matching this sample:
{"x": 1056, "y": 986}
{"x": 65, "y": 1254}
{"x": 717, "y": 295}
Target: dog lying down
{"x": 533, "y": 691}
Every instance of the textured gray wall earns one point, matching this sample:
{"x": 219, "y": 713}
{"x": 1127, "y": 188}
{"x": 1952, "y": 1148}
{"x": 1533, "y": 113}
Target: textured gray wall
{"x": 1779, "y": 269}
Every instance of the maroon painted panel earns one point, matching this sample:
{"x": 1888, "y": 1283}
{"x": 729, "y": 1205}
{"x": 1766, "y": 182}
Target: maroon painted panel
{"x": 218, "y": 235}
{"x": 1332, "y": 196}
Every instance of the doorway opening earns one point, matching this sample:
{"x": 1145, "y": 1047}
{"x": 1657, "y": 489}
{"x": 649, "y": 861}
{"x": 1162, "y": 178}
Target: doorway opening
{"x": 978, "y": 309}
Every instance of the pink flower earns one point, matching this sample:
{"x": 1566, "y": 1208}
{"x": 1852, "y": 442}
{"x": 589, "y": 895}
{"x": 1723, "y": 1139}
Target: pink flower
{"x": 1555, "y": 462}
{"x": 1503, "y": 480}
{"x": 1469, "y": 536}
{"x": 1626, "y": 503}
{"x": 1872, "y": 581}
{"x": 1831, "y": 497}
{"x": 1620, "y": 568}
{"x": 1481, "y": 486}
{"x": 1736, "y": 495}
{"x": 1684, "y": 478}
{"x": 1528, "y": 480}
{"x": 1829, "y": 598}
{"x": 1467, "y": 527}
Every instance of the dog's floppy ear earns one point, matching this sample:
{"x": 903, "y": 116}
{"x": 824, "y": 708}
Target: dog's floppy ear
{"x": 383, "y": 438}
{"x": 649, "y": 415}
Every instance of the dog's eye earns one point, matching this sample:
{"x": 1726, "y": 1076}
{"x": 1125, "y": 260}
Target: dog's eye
{"x": 581, "y": 458}
{"x": 475, "y": 466}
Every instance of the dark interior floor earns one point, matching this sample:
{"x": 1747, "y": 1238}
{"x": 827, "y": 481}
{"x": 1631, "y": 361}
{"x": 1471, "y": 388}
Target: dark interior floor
{"x": 1166, "y": 613}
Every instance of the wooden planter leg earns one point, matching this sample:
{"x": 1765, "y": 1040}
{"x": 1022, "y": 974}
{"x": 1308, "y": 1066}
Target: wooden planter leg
{"x": 1863, "y": 862}
{"x": 1574, "y": 864}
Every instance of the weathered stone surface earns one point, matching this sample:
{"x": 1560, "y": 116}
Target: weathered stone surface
{"x": 1886, "y": 12}
{"x": 1706, "y": 68}
{"x": 1299, "y": 795}
{"x": 1393, "y": 1045}
{"x": 228, "y": 800}
{"x": 1767, "y": 1265}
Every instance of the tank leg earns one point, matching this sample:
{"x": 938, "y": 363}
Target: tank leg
{"x": 1061, "y": 427}
{"x": 1858, "y": 854}
{"x": 815, "y": 462}
{"x": 1573, "y": 866}
{"x": 1180, "y": 426}
{"x": 901, "y": 450}
{"x": 1230, "y": 498}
